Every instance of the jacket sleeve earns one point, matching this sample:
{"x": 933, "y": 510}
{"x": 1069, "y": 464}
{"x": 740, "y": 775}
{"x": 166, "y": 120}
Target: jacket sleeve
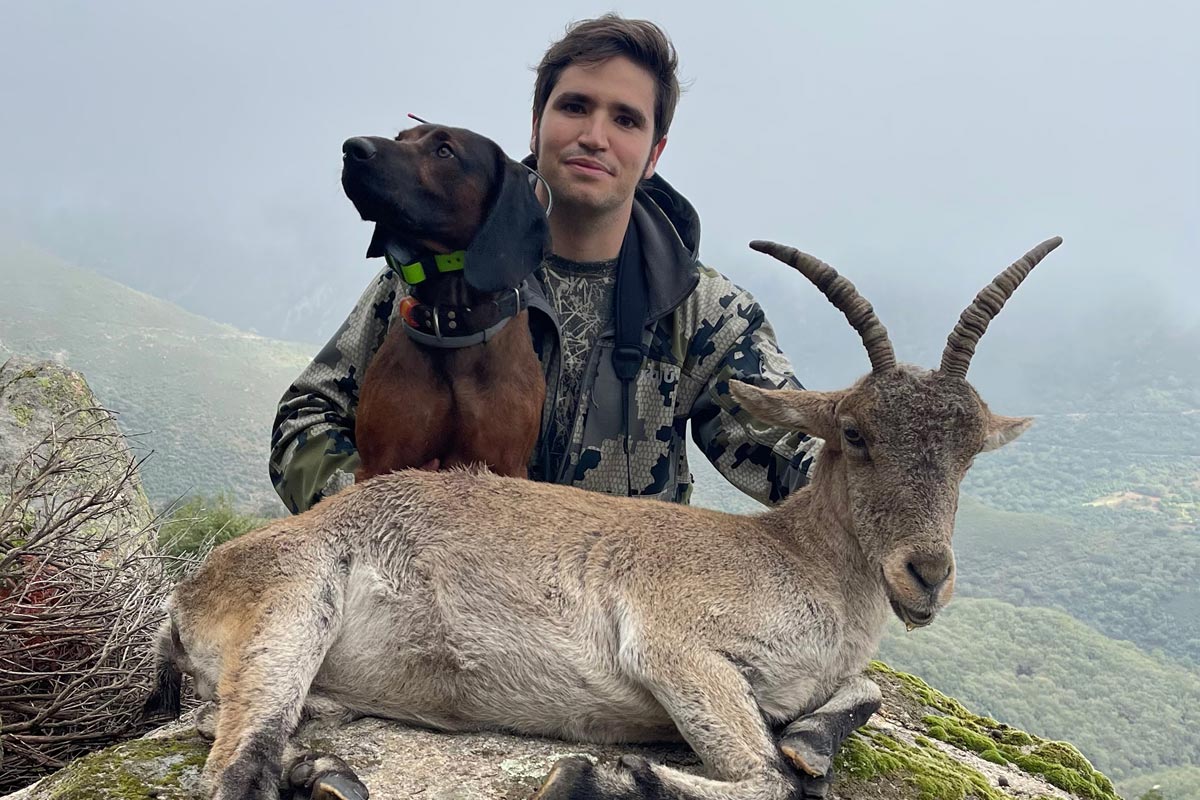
{"x": 766, "y": 463}
{"x": 313, "y": 454}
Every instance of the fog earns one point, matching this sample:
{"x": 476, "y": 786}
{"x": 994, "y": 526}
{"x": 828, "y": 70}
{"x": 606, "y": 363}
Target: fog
{"x": 193, "y": 152}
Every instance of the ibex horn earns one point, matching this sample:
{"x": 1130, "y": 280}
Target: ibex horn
{"x": 987, "y": 304}
{"x": 844, "y": 297}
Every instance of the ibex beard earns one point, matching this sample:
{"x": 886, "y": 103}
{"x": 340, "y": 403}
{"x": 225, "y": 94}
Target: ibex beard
{"x": 465, "y": 601}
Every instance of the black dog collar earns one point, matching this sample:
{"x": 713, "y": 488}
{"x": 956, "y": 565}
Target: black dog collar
{"x": 452, "y": 327}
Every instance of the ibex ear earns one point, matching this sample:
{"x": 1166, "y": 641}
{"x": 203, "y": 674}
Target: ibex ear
{"x": 1002, "y": 430}
{"x": 810, "y": 412}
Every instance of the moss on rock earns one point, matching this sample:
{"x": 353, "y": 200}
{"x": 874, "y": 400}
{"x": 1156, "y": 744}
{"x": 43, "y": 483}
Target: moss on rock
{"x": 22, "y": 415}
{"x": 137, "y": 770}
{"x": 1059, "y": 763}
{"x": 872, "y": 756}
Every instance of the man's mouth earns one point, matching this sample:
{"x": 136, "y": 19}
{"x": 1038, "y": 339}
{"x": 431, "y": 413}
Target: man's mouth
{"x": 588, "y": 166}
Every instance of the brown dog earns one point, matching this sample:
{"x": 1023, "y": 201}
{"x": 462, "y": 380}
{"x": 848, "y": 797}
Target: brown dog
{"x": 456, "y": 381}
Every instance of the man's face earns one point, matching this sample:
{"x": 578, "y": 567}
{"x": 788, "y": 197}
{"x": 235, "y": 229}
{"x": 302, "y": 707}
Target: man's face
{"x": 595, "y": 138}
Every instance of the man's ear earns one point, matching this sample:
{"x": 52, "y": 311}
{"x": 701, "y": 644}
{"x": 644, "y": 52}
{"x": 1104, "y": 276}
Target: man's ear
{"x": 533, "y": 136}
{"x": 655, "y": 153}
{"x": 1002, "y": 430}
{"x": 797, "y": 410}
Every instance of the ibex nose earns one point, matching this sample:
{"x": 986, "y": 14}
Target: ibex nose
{"x": 358, "y": 148}
{"x": 930, "y": 571}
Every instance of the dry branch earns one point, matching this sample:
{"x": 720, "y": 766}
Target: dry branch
{"x": 81, "y": 593}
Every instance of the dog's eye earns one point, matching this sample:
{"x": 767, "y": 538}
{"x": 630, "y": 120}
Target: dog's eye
{"x": 444, "y": 151}
{"x": 853, "y": 437}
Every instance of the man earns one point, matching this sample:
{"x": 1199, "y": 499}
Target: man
{"x": 617, "y": 403}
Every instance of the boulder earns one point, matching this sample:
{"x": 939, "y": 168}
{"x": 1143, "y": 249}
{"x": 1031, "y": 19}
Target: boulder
{"x": 41, "y": 399}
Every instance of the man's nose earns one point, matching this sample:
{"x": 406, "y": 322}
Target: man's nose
{"x": 594, "y": 136}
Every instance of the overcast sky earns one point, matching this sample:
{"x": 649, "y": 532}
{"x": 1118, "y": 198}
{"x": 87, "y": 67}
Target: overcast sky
{"x": 193, "y": 150}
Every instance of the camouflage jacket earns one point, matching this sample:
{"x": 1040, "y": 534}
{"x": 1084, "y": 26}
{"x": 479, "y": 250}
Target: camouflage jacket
{"x": 701, "y": 331}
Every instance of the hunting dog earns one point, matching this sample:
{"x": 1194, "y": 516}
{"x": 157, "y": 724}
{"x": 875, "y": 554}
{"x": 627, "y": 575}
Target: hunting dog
{"x": 460, "y": 222}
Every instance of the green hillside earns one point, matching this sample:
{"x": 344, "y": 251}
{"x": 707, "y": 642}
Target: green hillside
{"x": 1117, "y": 425}
{"x": 1129, "y": 575}
{"x": 1179, "y": 783}
{"x": 200, "y": 395}
{"x": 1047, "y": 673}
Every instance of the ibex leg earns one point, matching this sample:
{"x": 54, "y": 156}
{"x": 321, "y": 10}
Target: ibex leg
{"x": 811, "y": 742}
{"x": 266, "y": 679}
{"x": 712, "y": 705}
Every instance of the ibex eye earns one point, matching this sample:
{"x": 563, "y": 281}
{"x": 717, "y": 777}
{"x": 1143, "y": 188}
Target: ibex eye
{"x": 853, "y": 437}
{"x": 444, "y": 151}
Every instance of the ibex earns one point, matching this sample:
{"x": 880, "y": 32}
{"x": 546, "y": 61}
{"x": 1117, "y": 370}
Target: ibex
{"x": 463, "y": 600}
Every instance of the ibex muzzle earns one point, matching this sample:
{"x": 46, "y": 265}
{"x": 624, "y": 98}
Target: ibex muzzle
{"x": 464, "y": 600}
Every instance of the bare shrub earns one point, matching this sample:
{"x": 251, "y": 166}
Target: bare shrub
{"x": 81, "y": 592}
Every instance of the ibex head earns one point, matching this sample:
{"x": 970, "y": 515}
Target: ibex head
{"x": 899, "y": 442}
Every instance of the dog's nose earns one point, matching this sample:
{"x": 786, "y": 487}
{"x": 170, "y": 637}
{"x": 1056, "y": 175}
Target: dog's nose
{"x": 358, "y": 148}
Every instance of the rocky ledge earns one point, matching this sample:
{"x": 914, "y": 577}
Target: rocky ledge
{"x": 921, "y": 745}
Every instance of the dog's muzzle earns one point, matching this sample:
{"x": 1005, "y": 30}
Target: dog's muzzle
{"x": 359, "y": 149}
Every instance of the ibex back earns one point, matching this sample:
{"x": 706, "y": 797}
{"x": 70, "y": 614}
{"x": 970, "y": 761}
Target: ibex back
{"x": 463, "y": 600}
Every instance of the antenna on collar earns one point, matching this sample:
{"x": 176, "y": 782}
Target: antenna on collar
{"x": 549, "y": 194}
{"x": 418, "y": 119}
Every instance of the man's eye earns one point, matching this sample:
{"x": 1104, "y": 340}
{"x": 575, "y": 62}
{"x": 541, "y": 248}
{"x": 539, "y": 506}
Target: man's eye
{"x": 444, "y": 151}
{"x": 627, "y": 122}
{"x": 573, "y": 108}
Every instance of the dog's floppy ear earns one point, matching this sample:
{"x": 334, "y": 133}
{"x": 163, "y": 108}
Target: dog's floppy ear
{"x": 511, "y": 242}
{"x": 379, "y": 240}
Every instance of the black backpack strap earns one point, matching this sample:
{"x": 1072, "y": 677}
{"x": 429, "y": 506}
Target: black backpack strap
{"x": 632, "y": 303}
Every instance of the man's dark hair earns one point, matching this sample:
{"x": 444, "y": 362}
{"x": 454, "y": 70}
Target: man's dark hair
{"x": 594, "y": 40}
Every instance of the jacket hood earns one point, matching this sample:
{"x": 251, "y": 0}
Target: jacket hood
{"x": 669, "y": 230}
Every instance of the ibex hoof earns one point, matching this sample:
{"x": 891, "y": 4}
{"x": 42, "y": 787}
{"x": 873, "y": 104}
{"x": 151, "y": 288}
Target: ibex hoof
{"x": 646, "y": 783}
{"x": 572, "y": 777}
{"x": 339, "y": 786}
{"x": 814, "y": 788}
{"x": 634, "y": 763}
{"x": 206, "y": 721}
{"x": 811, "y": 761}
{"x": 324, "y": 777}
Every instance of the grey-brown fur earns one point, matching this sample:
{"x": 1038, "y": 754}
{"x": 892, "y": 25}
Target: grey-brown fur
{"x": 463, "y": 600}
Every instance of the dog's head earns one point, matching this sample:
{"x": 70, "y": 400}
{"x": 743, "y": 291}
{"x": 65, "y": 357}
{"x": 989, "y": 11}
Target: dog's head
{"x": 435, "y": 189}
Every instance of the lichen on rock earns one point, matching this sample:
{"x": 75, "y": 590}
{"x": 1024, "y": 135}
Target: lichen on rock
{"x": 166, "y": 768}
